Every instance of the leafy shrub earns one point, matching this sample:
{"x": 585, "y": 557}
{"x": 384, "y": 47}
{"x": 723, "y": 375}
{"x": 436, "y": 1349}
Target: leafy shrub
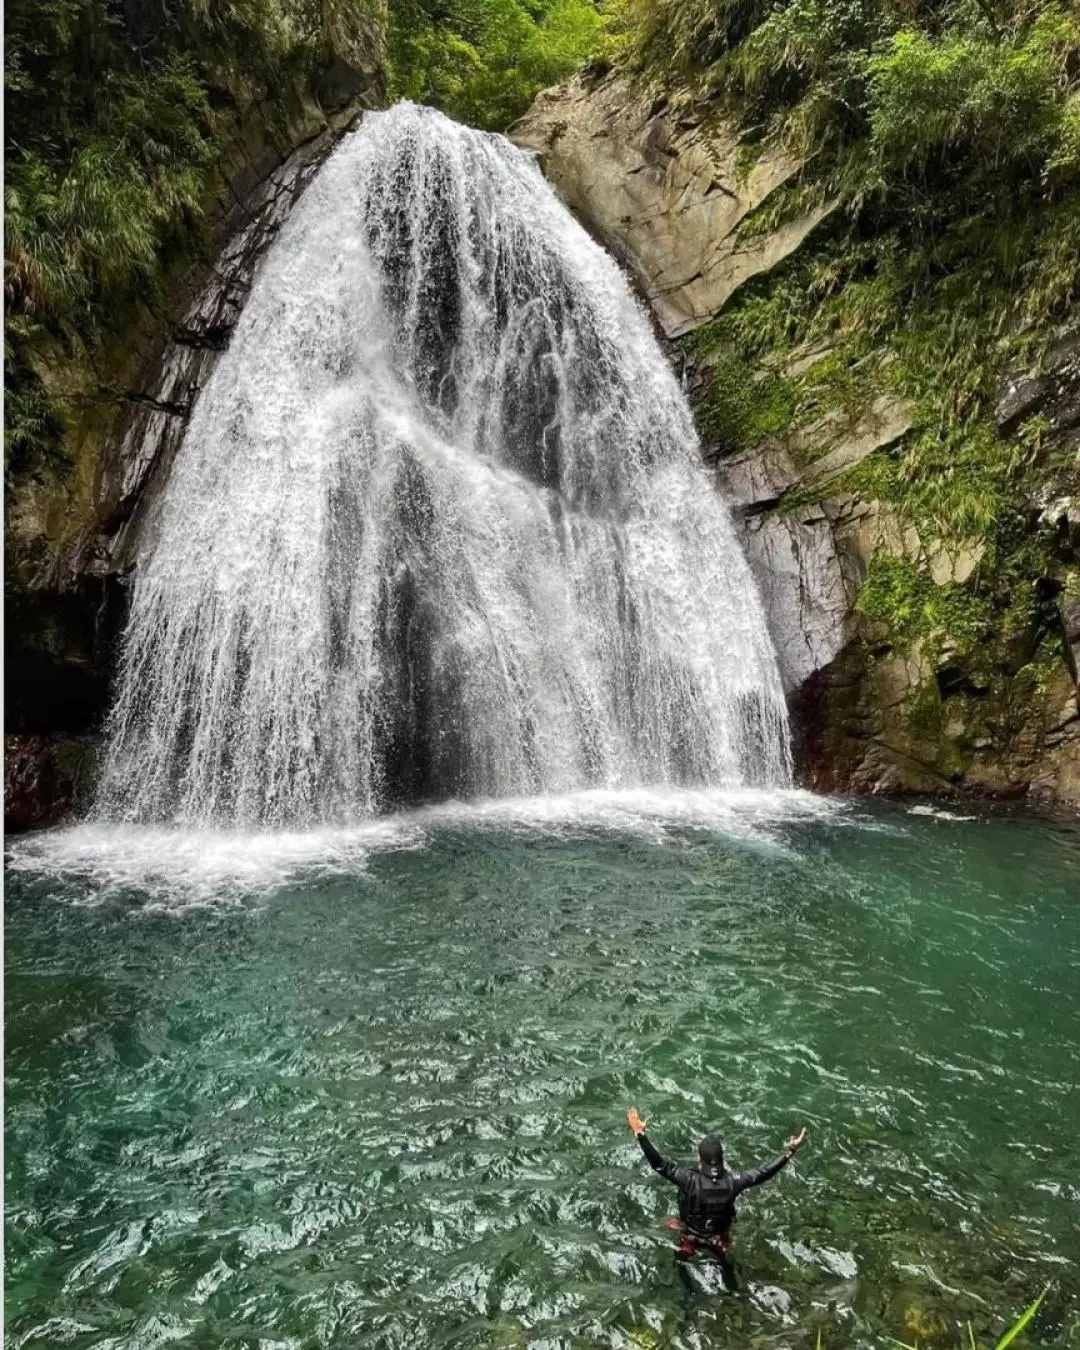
{"x": 483, "y": 61}
{"x": 117, "y": 114}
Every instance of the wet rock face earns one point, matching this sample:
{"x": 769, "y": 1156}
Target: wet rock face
{"x": 56, "y": 657}
{"x": 59, "y": 649}
{"x": 869, "y": 722}
{"x": 810, "y": 560}
{"x": 1050, "y": 393}
{"x": 663, "y": 190}
{"x": 46, "y": 779}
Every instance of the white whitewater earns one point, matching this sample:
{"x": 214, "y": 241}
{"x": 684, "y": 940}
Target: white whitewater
{"x": 439, "y": 526}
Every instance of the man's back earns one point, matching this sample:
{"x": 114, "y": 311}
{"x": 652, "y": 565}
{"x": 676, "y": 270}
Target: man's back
{"x": 707, "y": 1192}
{"x": 707, "y": 1204}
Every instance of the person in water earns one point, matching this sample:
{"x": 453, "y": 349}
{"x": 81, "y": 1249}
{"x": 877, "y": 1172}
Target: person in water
{"x": 707, "y": 1192}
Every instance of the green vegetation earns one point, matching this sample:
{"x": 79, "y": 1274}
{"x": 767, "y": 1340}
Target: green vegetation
{"x": 749, "y": 404}
{"x": 118, "y": 116}
{"x": 483, "y": 61}
{"x": 644, "y": 1338}
{"x": 1006, "y": 1339}
{"x": 948, "y": 134}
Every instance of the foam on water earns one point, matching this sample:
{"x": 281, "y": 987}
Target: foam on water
{"x": 937, "y": 812}
{"x": 175, "y": 866}
{"x": 438, "y": 528}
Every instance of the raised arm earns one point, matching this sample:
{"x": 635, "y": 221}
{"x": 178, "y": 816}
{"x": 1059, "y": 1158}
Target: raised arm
{"x": 669, "y": 1170}
{"x": 742, "y": 1181}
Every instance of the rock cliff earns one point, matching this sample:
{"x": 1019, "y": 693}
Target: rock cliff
{"x": 663, "y": 190}
{"x": 880, "y": 701}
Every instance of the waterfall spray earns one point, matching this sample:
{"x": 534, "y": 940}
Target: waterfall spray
{"x": 439, "y": 526}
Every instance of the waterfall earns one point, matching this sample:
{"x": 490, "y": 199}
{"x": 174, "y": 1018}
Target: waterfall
{"x": 439, "y": 526}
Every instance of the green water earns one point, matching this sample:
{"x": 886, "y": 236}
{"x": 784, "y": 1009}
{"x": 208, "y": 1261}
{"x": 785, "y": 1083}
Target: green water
{"x": 375, "y": 1097}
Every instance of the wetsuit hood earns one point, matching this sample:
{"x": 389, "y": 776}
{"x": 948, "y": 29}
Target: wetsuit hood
{"x": 711, "y": 1155}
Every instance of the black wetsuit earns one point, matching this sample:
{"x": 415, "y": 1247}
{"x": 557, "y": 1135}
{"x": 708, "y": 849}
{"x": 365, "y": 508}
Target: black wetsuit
{"x": 706, "y": 1203}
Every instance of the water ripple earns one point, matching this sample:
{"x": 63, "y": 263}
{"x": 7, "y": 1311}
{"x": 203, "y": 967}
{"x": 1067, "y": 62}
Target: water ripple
{"x": 382, "y": 1107}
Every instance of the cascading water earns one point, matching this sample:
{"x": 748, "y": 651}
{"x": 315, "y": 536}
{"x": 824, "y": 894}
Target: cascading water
{"x": 439, "y": 526}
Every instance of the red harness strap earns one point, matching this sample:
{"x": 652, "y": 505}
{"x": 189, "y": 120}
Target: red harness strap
{"x": 691, "y": 1243}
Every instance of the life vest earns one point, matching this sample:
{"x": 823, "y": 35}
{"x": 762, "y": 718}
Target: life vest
{"x": 707, "y": 1206}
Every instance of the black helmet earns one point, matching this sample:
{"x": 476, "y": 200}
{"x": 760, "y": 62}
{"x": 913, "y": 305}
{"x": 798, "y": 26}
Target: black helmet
{"x": 711, "y": 1155}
